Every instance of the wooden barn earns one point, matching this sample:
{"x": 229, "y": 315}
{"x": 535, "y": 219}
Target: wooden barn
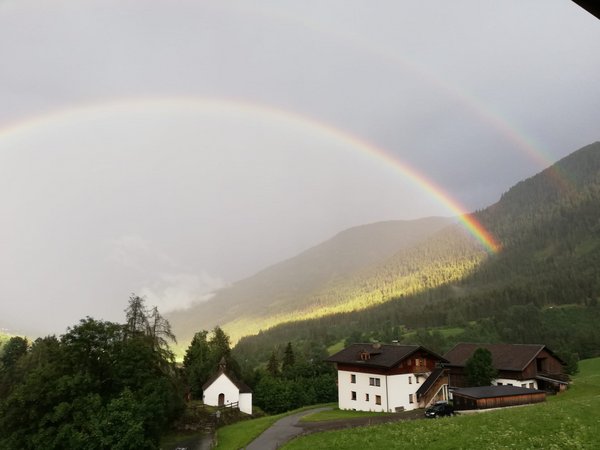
{"x": 532, "y": 366}
{"x": 484, "y": 397}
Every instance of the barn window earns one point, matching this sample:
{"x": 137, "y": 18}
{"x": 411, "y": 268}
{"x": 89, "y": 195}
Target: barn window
{"x": 366, "y": 397}
{"x": 378, "y": 399}
{"x": 353, "y": 395}
{"x": 374, "y": 381}
{"x": 410, "y": 398}
{"x": 352, "y": 378}
{"x": 409, "y": 380}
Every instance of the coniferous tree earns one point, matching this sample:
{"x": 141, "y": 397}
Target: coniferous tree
{"x": 479, "y": 368}
{"x": 136, "y": 316}
{"x": 273, "y": 365}
{"x": 288, "y": 358}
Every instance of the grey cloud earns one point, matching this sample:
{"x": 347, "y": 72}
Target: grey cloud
{"x": 176, "y": 202}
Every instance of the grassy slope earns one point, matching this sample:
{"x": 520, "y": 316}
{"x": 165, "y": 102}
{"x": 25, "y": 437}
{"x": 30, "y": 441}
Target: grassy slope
{"x": 569, "y": 420}
{"x": 337, "y": 414}
{"x": 3, "y": 338}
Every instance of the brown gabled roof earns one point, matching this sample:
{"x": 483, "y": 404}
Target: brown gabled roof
{"x": 514, "y": 357}
{"x": 380, "y": 355}
{"x": 243, "y": 387}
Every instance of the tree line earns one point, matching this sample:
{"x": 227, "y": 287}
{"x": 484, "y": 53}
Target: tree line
{"x": 101, "y": 385}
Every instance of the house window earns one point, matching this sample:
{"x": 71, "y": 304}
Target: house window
{"x": 524, "y": 385}
{"x": 409, "y": 380}
{"x": 374, "y": 381}
{"x": 353, "y": 395}
{"x": 366, "y": 397}
{"x": 352, "y": 378}
{"x": 410, "y": 398}
{"x": 531, "y": 385}
{"x": 499, "y": 384}
{"x": 378, "y": 399}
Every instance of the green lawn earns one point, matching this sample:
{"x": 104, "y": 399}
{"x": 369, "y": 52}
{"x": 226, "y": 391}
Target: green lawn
{"x": 238, "y": 435}
{"x": 444, "y": 331}
{"x": 338, "y": 346}
{"x": 336, "y": 414}
{"x": 567, "y": 421}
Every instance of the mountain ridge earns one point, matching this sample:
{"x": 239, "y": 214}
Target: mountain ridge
{"x": 540, "y": 217}
{"x": 346, "y": 253}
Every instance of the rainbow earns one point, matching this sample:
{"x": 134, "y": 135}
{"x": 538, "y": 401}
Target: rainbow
{"x": 133, "y": 105}
{"x": 481, "y": 111}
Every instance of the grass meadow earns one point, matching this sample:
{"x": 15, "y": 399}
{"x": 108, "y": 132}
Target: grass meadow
{"x": 339, "y": 414}
{"x": 570, "y": 420}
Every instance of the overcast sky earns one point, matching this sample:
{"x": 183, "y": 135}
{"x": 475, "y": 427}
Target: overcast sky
{"x": 168, "y": 148}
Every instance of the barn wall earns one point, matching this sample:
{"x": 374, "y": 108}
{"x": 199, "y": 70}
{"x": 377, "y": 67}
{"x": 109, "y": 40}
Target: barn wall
{"x": 463, "y": 403}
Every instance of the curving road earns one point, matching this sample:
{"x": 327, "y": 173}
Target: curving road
{"x": 281, "y": 431}
{"x": 289, "y": 427}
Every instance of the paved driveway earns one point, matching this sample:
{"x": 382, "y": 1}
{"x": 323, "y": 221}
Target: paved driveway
{"x": 281, "y": 431}
{"x": 289, "y": 427}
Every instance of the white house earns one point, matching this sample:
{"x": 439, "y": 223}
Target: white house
{"x": 223, "y": 389}
{"x": 389, "y": 378}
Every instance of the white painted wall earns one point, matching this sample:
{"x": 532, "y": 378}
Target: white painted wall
{"x": 518, "y": 383}
{"x": 361, "y": 387}
{"x": 394, "y": 391}
{"x": 246, "y": 402}
{"x": 232, "y": 394}
{"x": 400, "y": 387}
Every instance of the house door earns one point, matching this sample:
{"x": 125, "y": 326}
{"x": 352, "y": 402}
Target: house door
{"x": 221, "y": 399}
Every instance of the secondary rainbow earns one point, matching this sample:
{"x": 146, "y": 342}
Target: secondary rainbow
{"x": 133, "y": 105}
{"x": 483, "y": 112}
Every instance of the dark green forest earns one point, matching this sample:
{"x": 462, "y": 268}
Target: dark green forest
{"x": 542, "y": 287}
{"x": 101, "y": 385}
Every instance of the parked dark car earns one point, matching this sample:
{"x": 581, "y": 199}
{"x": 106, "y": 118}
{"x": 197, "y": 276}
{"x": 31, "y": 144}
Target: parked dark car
{"x": 439, "y": 410}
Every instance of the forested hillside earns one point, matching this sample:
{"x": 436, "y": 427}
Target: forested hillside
{"x": 312, "y": 283}
{"x": 543, "y": 286}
